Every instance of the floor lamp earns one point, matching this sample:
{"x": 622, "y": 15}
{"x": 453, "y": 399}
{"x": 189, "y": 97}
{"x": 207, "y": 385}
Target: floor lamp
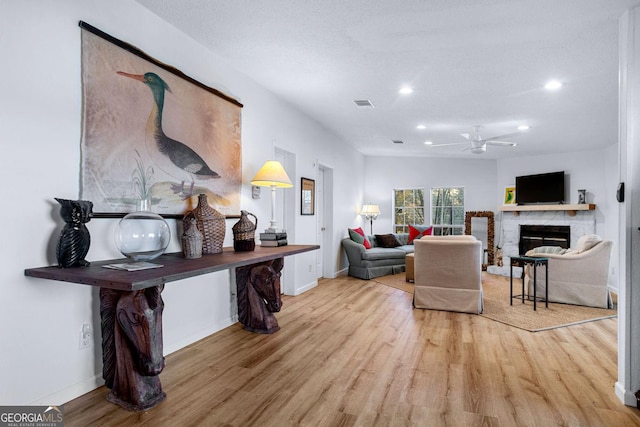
{"x": 273, "y": 175}
{"x": 370, "y": 212}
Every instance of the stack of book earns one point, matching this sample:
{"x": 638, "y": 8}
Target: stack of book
{"x": 273, "y": 239}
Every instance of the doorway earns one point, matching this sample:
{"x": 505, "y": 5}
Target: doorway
{"x": 285, "y": 215}
{"x": 324, "y": 201}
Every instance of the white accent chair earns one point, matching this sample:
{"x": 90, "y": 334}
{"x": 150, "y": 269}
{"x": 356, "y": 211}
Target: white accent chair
{"x": 448, "y": 273}
{"x": 578, "y": 276}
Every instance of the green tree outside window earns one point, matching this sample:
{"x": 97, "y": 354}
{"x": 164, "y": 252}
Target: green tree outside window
{"x": 447, "y": 210}
{"x": 408, "y": 208}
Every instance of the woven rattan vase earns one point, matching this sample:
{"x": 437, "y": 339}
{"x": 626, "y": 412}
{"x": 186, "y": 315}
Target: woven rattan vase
{"x": 244, "y": 232}
{"x": 191, "y": 240}
{"x": 211, "y": 224}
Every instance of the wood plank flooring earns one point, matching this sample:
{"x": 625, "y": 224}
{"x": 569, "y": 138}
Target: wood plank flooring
{"x": 354, "y": 353}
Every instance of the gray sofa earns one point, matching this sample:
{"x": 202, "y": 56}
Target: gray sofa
{"x": 377, "y": 261}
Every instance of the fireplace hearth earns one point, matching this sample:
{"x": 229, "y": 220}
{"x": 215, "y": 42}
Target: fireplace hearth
{"x": 533, "y": 236}
{"x": 583, "y": 222}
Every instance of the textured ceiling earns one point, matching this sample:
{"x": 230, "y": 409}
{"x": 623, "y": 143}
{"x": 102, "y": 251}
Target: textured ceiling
{"x": 470, "y": 62}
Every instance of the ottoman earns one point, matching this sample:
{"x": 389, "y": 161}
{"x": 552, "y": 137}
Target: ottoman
{"x": 409, "y": 268}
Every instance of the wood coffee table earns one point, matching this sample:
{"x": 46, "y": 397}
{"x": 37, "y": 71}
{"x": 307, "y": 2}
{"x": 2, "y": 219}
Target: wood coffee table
{"x": 409, "y": 267}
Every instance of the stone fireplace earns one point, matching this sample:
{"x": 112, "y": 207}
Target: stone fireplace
{"x": 508, "y": 232}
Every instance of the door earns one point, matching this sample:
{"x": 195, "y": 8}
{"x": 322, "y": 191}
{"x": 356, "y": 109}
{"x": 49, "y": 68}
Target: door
{"x": 320, "y": 228}
{"x": 326, "y": 265}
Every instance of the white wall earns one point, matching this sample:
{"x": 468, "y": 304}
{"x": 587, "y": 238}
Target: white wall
{"x": 40, "y": 117}
{"x": 583, "y": 170}
{"x": 384, "y": 174}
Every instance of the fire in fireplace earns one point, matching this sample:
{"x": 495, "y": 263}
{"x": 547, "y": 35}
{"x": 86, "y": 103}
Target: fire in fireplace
{"x": 533, "y": 236}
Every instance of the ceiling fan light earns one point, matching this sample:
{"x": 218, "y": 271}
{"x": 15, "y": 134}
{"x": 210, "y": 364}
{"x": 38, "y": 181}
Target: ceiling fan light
{"x": 428, "y": 142}
{"x": 406, "y": 90}
{"x": 421, "y": 127}
{"x": 524, "y": 127}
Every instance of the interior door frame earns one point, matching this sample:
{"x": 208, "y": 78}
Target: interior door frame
{"x": 325, "y": 203}
{"x": 285, "y": 214}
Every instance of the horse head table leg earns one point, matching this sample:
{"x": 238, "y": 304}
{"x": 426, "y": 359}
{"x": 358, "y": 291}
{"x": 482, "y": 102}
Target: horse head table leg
{"x": 132, "y": 346}
{"x": 259, "y": 296}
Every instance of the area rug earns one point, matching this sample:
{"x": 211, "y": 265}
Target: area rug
{"x": 496, "y": 305}
{"x": 397, "y": 281}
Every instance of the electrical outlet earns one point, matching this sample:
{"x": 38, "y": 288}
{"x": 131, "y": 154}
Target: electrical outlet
{"x": 86, "y": 336}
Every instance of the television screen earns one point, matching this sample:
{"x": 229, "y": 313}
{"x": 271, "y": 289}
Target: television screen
{"x": 541, "y": 188}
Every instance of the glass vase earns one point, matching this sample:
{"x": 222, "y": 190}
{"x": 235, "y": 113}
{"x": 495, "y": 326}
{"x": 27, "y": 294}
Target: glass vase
{"x": 142, "y": 235}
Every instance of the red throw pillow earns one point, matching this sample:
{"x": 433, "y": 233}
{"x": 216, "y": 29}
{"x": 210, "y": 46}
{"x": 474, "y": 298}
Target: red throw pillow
{"x": 416, "y": 232}
{"x": 357, "y": 235}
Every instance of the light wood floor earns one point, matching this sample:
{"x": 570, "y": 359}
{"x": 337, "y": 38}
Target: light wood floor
{"x": 354, "y": 352}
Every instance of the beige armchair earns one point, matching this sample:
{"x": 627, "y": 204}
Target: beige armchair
{"x": 579, "y": 276}
{"x": 448, "y": 273}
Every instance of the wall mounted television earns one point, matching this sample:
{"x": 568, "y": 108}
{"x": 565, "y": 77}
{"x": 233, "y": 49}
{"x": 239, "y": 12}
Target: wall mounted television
{"x": 541, "y": 188}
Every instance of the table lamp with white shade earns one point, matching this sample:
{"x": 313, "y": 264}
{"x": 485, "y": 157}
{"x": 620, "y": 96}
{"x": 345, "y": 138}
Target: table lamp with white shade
{"x": 370, "y": 212}
{"x": 273, "y": 175}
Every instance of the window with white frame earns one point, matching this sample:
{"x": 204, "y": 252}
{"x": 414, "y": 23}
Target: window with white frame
{"x": 408, "y": 208}
{"x": 447, "y": 210}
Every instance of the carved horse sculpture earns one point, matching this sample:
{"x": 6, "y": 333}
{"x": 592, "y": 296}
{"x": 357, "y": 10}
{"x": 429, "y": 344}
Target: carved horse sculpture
{"x": 259, "y": 296}
{"x": 132, "y": 346}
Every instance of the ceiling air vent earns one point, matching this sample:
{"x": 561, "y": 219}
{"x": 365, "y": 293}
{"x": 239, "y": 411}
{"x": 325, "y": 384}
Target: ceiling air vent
{"x": 364, "y": 103}
{"x": 397, "y": 141}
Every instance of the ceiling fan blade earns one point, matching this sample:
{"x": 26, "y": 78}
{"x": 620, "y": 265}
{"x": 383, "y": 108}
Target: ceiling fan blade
{"x": 508, "y": 135}
{"x": 502, "y": 143}
{"x": 447, "y": 145}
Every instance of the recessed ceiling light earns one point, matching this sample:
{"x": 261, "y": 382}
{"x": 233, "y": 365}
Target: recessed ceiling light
{"x": 428, "y": 142}
{"x": 406, "y": 90}
{"x": 421, "y": 127}
{"x": 553, "y": 85}
{"x": 524, "y": 127}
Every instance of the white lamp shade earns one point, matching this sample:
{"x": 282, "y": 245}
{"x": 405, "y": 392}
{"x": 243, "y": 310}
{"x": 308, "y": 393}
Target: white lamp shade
{"x": 370, "y": 210}
{"x": 272, "y": 174}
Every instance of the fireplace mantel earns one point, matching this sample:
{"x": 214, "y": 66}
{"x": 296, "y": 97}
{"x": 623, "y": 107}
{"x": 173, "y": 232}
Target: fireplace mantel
{"x": 570, "y": 209}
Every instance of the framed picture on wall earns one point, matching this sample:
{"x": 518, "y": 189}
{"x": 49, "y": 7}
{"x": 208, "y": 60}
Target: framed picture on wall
{"x": 307, "y": 196}
{"x": 152, "y": 132}
{"x": 510, "y": 195}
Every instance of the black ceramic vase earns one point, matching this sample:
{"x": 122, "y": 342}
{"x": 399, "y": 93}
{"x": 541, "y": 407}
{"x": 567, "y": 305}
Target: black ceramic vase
{"x": 74, "y": 240}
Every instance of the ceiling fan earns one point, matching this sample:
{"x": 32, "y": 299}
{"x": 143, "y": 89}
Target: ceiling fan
{"x": 478, "y": 145}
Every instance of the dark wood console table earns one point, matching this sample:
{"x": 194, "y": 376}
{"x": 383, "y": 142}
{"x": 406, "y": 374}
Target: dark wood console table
{"x": 131, "y": 310}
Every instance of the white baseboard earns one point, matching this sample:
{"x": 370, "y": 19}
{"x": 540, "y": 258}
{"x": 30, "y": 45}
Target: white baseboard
{"x": 305, "y": 288}
{"x": 625, "y": 396}
{"x": 67, "y": 394}
{"x": 74, "y": 391}
{"x": 343, "y": 272}
{"x": 201, "y": 334}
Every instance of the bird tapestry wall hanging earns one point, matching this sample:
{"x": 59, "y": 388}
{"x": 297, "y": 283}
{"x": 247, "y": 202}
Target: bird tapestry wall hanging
{"x": 151, "y": 132}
